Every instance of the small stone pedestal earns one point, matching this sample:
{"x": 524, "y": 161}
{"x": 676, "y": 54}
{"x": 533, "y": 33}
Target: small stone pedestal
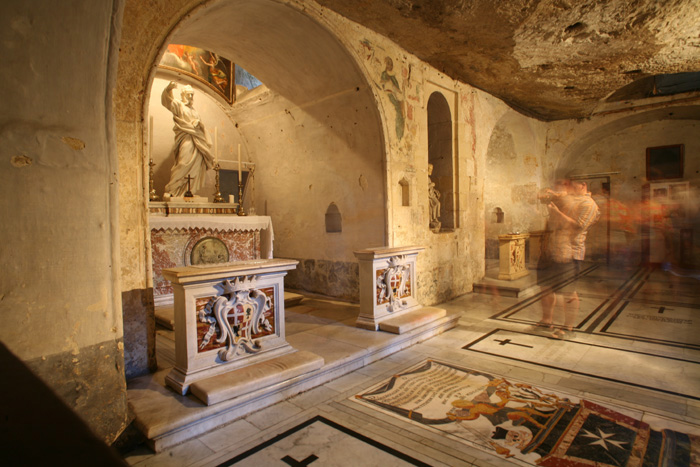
{"x": 229, "y": 329}
{"x": 388, "y": 291}
{"x": 511, "y": 254}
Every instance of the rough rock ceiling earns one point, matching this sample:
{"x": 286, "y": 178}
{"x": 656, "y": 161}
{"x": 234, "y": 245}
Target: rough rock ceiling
{"x": 551, "y": 59}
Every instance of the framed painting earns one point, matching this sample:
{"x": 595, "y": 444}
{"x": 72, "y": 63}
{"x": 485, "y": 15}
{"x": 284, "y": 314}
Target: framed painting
{"x": 665, "y": 162}
{"x": 202, "y": 65}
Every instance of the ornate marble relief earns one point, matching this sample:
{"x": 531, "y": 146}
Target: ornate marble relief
{"x": 235, "y": 320}
{"x": 517, "y": 255}
{"x": 173, "y": 247}
{"x": 394, "y": 283}
{"x": 511, "y": 253}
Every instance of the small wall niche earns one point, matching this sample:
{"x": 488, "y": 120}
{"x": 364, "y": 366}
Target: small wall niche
{"x": 334, "y": 221}
{"x": 405, "y": 192}
{"x": 498, "y": 216}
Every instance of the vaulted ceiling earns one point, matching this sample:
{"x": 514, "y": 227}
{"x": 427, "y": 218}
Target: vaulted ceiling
{"x": 551, "y": 59}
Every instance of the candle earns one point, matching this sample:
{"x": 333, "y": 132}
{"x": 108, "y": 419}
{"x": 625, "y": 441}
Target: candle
{"x": 150, "y": 137}
{"x": 240, "y": 174}
{"x": 216, "y": 146}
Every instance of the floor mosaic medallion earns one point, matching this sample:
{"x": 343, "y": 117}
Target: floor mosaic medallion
{"x": 529, "y": 425}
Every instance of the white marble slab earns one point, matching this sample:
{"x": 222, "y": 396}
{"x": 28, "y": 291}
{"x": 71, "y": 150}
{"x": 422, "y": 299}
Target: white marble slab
{"x": 674, "y": 376}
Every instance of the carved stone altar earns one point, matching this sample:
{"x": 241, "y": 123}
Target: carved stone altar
{"x": 388, "y": 291}
{"x": 511, "y": 253}
{"x": 186, "y": 239}
{"x": 230, "y": 318}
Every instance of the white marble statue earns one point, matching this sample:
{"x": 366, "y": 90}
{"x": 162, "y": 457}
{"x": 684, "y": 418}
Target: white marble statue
{"x": 434, "y": 198}
{"x": 192, "y": 145}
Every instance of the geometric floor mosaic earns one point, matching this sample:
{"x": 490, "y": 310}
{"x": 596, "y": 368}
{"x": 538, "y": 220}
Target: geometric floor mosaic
{"x": 528, "y": 425}
{"x": 321, "y": 442}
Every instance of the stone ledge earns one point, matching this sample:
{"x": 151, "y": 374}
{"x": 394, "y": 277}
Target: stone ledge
{"x": 247, "y": 379}
{"x": 411, "y": 320}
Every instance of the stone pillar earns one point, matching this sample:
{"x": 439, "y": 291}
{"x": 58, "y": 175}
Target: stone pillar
{"x": 388, "y": 291}
{"x": 511, "y": 253}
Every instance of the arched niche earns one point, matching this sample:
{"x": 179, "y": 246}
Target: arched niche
{"x": 441, "y": 156}
{"x": 298, "y": 139}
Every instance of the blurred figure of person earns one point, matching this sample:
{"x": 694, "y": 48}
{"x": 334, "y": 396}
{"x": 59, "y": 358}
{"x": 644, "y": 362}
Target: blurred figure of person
{"x": 572, "y": 212}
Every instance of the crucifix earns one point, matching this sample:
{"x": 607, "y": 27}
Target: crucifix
{"x": 188, "y": 193}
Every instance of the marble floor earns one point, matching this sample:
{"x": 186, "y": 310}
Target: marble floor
{"x": 633, "y": 361}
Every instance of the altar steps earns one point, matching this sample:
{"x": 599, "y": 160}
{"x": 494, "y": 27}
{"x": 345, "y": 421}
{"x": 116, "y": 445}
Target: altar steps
{"x": 322, "y": 327}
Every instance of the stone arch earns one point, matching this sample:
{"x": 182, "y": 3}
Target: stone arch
{"x": 309, "y": 68}
{"x": 574, "y": 150}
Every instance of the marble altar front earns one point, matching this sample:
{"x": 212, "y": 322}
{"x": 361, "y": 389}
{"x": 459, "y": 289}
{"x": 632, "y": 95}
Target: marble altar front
{"x": 388, "y": 291}
{"x": 230, "y": 317}
{"x": 186, "y": 239}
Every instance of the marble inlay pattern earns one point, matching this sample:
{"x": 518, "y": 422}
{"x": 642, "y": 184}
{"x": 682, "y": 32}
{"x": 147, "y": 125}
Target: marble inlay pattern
{"x": 173, "y": 247}
{"x": 400, "y": 284}
{"x": 322, "y": 442}
{"x": 233, "y": 318}
{"x": 525, "y": 424}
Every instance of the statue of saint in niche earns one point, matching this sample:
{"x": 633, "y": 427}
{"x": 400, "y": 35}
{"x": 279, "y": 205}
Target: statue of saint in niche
{"x": 192, "y": 146}
{"x": 434, "y": 198}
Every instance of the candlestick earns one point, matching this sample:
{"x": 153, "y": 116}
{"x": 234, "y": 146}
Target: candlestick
{"x": 240, "y": 174}
{"x": 216, "y": 146}
{"x": 240, "y": 212}
{"x": 217, "y": 196}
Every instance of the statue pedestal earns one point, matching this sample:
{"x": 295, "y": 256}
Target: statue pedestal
{"x": 230, "y": 318}
{"x": 388, "y": 291}
{"x": 511, "y": 254}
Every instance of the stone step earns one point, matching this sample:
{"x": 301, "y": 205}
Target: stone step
{"x": 411, "y": 320}
{"x": 253, "y": 377}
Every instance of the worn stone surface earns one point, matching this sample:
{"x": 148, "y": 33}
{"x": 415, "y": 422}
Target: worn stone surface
{"x": 91, "y": 382}
{"x": 551, "y": 59}
{"x": 59, "y": 292}
{"x": 139, "y": 332}
{"x": 331, "y": 278}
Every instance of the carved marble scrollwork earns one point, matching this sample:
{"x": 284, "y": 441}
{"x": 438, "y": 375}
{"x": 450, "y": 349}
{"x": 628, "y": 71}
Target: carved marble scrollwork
{"x": 247, "y": 305}
{"x": 393, "y": 283}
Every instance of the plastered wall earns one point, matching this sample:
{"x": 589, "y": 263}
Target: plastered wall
{"x": 60, "y": 311}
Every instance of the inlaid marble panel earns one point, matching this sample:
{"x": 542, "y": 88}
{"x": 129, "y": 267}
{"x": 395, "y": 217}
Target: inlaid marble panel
{"x": 527, "y": 424}
{"x": 173, "y": 247}
{"x": 234, "y": 318}
{"x": 400, "y": 285}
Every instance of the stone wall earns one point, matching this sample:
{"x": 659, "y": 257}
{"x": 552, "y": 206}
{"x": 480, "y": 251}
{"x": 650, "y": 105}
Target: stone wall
{"x": 60, "y": 306}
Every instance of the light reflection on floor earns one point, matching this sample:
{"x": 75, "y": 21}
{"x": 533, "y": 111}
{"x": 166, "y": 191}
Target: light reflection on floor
{"x": 636, "y": 347}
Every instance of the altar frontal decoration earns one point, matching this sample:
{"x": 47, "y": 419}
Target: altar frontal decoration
{"x": 388, "y": 291}
{"x": 525, "y": 424}
{"x": 227, "y": 316}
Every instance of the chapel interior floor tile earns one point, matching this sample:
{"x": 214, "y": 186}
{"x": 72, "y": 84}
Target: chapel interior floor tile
{"x": 631, "y": 354}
